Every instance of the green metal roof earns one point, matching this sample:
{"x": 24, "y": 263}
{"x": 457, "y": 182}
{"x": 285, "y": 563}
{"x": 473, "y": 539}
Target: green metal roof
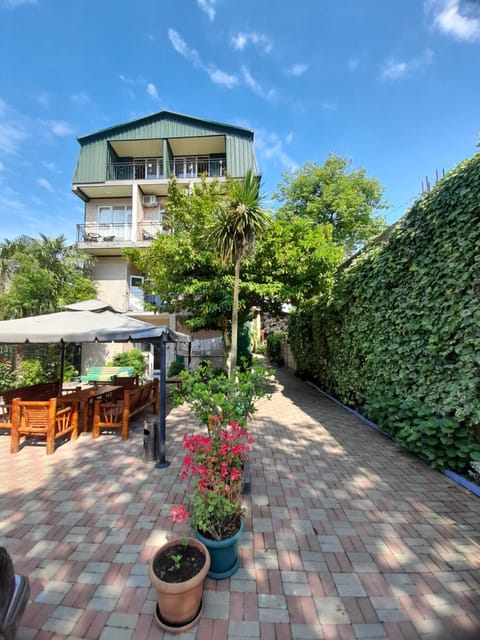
{"x": 164, "y": 115}
{"x": 97, "y": 148}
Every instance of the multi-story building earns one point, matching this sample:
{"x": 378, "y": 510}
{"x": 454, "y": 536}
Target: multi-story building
{"x": 122, "y": 176}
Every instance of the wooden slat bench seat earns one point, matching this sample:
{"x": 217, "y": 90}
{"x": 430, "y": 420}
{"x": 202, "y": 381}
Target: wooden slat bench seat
{"x": 129, "y": 402}
{"x": 105, "y": 374}
{"x": 50, "y": 420}
{"x": 41, "y": 391}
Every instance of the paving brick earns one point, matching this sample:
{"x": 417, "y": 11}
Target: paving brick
{"x": 345, "y": 537}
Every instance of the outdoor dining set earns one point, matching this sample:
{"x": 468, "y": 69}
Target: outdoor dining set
{"x": 48, "y": 413}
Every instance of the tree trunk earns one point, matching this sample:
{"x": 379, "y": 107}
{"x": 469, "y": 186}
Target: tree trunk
{"x": 234, "y": 346}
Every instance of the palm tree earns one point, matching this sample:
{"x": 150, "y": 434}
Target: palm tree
{"x": 236, "y": 225}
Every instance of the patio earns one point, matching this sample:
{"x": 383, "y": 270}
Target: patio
{"x": 346, "y": 536}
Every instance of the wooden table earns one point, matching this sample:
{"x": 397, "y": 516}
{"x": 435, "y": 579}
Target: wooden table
{"x": 87, "y": 396}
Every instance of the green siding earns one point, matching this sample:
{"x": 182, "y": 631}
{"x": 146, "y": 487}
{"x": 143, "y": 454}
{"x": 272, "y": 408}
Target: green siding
{"x": 95, "y": 151}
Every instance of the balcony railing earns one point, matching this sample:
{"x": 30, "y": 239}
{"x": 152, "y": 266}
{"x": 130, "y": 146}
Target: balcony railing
{"x": 190, "y": 167}
{"x": 95, "y": 232}
{"x": 118, "y": 233}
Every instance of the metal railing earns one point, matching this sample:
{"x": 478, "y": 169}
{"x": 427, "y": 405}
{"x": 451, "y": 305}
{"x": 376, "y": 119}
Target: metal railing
{"x": 189, "y": 167}
{"x": 118, "y": 233}
{"x": 95, "y": 232}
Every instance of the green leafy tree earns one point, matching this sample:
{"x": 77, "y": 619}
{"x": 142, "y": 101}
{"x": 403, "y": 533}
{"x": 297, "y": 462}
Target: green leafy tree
{"x": 333, "y": 194}
{"x": 235, "y": 227}
{"x": 295, "y": 261}
{"x": 40, "y": 276}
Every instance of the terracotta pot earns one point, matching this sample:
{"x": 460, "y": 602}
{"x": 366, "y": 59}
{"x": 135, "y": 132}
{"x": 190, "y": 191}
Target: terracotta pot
{"x": 225, "y": 560}
{"x": 179, "y": 604}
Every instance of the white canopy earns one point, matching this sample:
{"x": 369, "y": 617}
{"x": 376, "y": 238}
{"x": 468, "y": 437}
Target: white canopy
{"x": 85, "y": 326}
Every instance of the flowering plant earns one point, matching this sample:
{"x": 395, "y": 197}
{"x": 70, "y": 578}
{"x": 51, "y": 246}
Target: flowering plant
{"x": 216, "y": 462}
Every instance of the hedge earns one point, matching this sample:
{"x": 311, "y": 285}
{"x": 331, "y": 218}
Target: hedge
{"x": 399, "y": 338}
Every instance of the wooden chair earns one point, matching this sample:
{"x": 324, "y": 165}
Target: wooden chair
{"x": 51, "y": 419}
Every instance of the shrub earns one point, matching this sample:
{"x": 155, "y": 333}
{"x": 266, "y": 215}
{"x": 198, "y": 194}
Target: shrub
{"x": 274, "y": 347}
{"x": 210, "y": 392}
{"x": 398, "y": 339}
{"x": 175, "y": 368}
{"x": 31, "y": 372}
{"x": 7, "y": 375}
{"x": 132, "y": 358}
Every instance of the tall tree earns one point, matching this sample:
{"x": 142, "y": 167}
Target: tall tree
{"x": 39, "y": 276}
{"x": 334, "y": 194}
{"x": 235, "y": 227}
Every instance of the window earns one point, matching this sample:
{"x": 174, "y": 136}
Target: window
{"x": 115, "y": 220}
{"x": 148, "y": 168}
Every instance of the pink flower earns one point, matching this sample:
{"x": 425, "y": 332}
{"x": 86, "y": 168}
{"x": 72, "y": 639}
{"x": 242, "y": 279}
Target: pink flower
{"x": 179, "y": 514}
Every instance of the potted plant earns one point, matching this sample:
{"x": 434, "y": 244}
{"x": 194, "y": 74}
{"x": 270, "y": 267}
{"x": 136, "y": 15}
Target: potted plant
{"x": 216, "y": 463}
{"x": 177, "y": 571}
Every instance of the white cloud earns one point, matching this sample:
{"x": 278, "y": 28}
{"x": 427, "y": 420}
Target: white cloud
{"x": 297, "y": 69}
{"x": 241, "y": 40}
{"x": 270, "y": 148}
{"x": 60, "y": 128}
{"x": 223, "y": 78}
{"x": 216, "y": 75}
{"x": 395, "y": 70}
{"x": 43, "y": 182}
{"x": 457, "y": 18}
{"x": 13, "y": 129}
{"x": 255, "y": 86}
{"x": 152, "y": 91}
{"x": 208, "y": 7}
{"x": 289, "y": 138}
{"x": 13, "y": 4}
{"x": 181, "y": 47}
{"x": 51, "y": 166}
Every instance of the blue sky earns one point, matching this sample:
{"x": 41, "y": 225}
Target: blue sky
{"x": 393, "y": 86}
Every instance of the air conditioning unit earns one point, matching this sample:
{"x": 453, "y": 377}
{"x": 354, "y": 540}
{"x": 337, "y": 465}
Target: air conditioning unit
{"x": 149, "y": 201}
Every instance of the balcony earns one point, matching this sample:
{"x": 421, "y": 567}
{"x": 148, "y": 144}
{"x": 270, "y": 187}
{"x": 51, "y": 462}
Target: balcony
{"x": 95, "y": 233}
{"x": 154, "y": 169}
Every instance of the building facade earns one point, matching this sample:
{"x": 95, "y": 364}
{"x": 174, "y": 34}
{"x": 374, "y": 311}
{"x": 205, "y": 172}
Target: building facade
{"x": 122, "y": 176}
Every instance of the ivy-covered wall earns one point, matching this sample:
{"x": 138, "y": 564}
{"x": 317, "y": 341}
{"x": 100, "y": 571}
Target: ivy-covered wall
{"x": 399, "y": 339}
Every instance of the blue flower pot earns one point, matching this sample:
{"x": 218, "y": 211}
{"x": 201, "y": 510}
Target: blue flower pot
{"x": 224, "y": 558}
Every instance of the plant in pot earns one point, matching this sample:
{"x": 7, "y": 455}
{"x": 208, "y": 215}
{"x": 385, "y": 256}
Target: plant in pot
{"x": 177, "y": 571}
{"x": 216, "y": 463}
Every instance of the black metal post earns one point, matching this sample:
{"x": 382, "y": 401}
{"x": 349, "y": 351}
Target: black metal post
{"x": 162, "y": 462}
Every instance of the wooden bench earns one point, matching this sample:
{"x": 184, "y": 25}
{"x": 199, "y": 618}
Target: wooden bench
{"x": 41, "y": 391}
{"x": 129, "y": 402}
{"x": 105, "y": 374}
{"x": 48, "y": 419}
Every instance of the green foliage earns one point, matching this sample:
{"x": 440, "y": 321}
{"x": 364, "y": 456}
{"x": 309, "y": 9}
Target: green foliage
{"x": 7, "y": 375}
{"x": 175, "y": 368}
{"x": 69, "y": 372}
{"x": 209, "y": 392}
{"x": 398, "y": 339}
{"x": 132, "y": 358}
{"x": 333, "y": 195}
{"x": 274, "y": 346}
{"x": 31, "y": 372}
{"x": 40, "y": 276}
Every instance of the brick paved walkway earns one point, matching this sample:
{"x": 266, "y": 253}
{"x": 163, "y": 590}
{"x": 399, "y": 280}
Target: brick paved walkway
{"x": 346, "y": 536}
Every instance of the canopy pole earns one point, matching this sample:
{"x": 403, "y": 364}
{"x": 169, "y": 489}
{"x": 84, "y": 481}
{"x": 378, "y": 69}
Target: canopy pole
{"x": 62, "y": 364}
{"x": 162, "y": 462}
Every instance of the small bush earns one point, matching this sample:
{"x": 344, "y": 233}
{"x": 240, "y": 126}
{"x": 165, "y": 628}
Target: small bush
{"x": 175, "y": 368}
{"x": 132, "y": 358}
{"x": 274, "y": 347}
{"x": 31, "y": 372}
